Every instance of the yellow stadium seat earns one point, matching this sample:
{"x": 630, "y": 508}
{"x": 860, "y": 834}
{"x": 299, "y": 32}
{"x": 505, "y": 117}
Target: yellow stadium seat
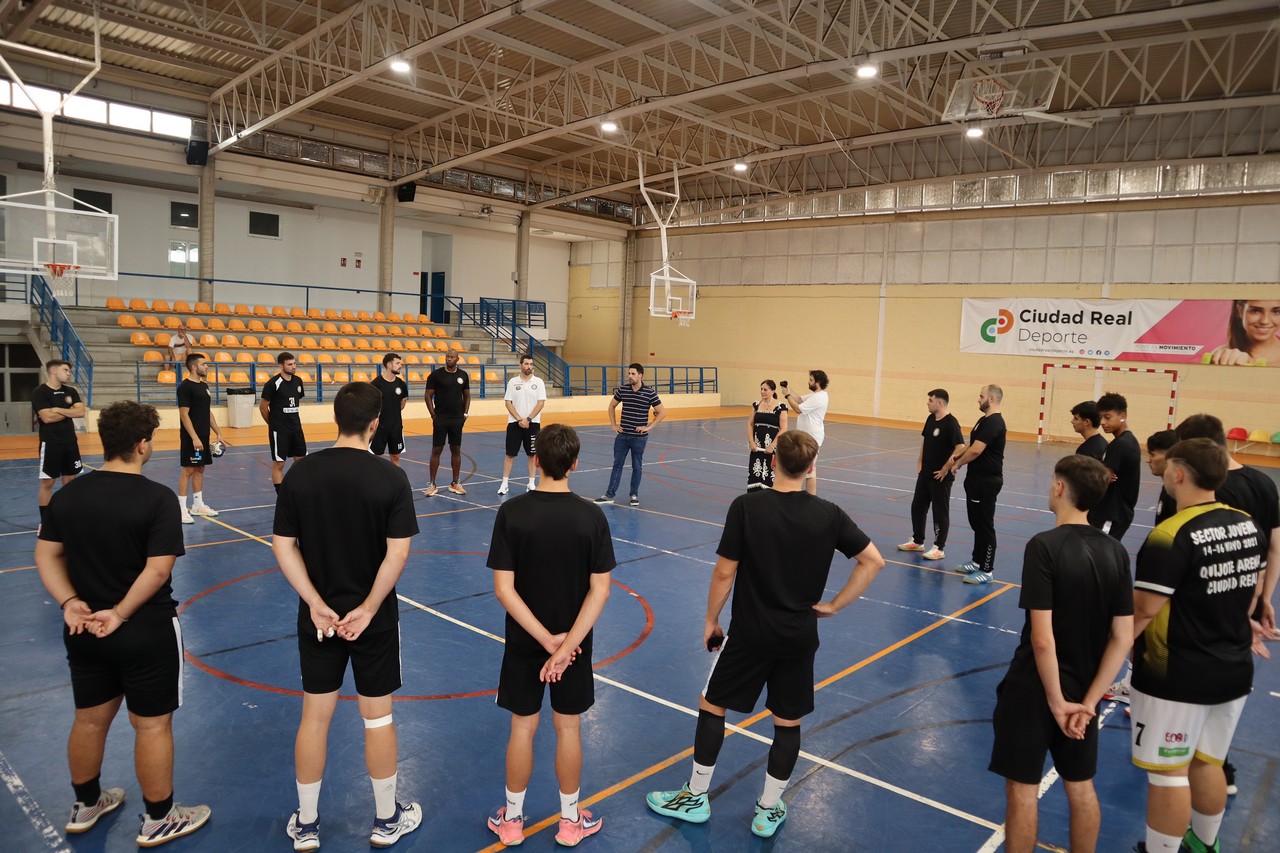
{"x": 328, "y": 343}
{"x": 230, "y": 341}
{"x": 409, "y": 331}
{"x": 256, "y": 325}
{"x": 266, "y": 358}
{"x": 423, "y": 318}
{"x": 275, "y": 326}
{"x": 324, "y": 358}
{"x": 332, "y": 314}
{"x": 315, "y": 314}
{"x": 344, "y": 358}
{"x": 309, "y": 343}
{"x": 127, "y": 321}
{"x": 195, "y": 324}
{"x": 393, "y": 317}
{"x": 152, "y": 355}
{"x": 202, "y": 308}
{"x": 363, "y": 315}
{"x": 362, "y": 343}
{"x": 380, "y": 329}
{"x": 115, "y": 303}
{"x": 471, "y": 359}
{"x": 300, "y": 313}
{"x": 491, "y": 376}
{"x": 221, "y": 357}
{"x": 346, "y": 329}
{"x": 139, "y": 305}
{"x": 237, "y": 325}
{"x": 348, "y": 314}
{"x": 441, "y": 333}
{"x": 244, "y": 310}
{"x": 456, "y": 346}
{"x": 378, "y": 344}
{"x": 1260, "y": 435}
{"x": 360, "y": 376}
{"x": 248, "y": 341}
{"x": 271, "y": 342}
{"x": 345, "y": 343}
{"x": 244, "y": 357}
{"x": 363, "y": 358}
{"x": 160, "y": 305}
{"x": 222, "y": 308}
{"x": 304, "y": 376}
{"x": 331, "y": 329}
{"x": 166, "y": 377}
{"x": 418, "y": 375}
{"x": 311, "y": 327}
{"x": 412, "y": 358}
{"x": 238, "y": 377}
{"x": 150, "y": 321}
{"x": 395, "y": 345}
{"x": 326, "y": 377}
{"x": 294, "y": 327}
{"x": 411, "y": 345}
{"x": 261, "y": 311}
{"x": 279, "y": 311}
{"x": 363, "y": 329}
{"x": 394, "y": 331}
{"x": 173, "y": 322}
{"x": 306, "y": 358}
{"x": 216, "y": 325}
{"x": 181, "y": 306}
{"x": 289, "y": 342}
{"x": 430, "y": 359}
{"x": 379, "y": 317}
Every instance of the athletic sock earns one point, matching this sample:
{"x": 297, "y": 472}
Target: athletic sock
{"x": 1157, "y": 843}
{"x": 708, "y": 738}
{"x": 88, "y": 792}
{"x": 569, "y": 806}
{"x": 784, "y": 752}
{"x": 384, "y": 796}
{"x": 182, "y": 502}
{"x": 1205, "y": 826}
{"x": 532, "y": 483}
{"x": 309, "y": 801}
{"x": 700, "y": 778}
{"x": 773, "y": 789}
{"x": 506, "y": 482}
{"x": 158, "y": 809}
{"x": 515, "y": 804}
{"x": 197, "y": 498}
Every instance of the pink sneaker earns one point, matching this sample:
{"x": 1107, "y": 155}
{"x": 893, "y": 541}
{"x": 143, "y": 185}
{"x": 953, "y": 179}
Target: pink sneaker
{"x": 509, "y": 832}
{"x": 572, "y": 832}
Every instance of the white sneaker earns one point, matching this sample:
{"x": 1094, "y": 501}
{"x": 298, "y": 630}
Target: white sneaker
{"x": 1118, "y": 692}
{"x": 186, "y": 517}
{"x": 504, "y": 488}
{"x": 407, "y": 818}
{"x": 180, "y": 821}
{"x": 84, "y": 817}
{"x": 934, "y": 553}
{"x": 205, "y": 510}
{"x": 532, "y": 485}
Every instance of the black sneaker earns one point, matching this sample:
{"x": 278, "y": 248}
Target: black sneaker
{"x": 605, "y": 499}
{"x": 1229, "y": 770}
{"x": 1140, "y": 847}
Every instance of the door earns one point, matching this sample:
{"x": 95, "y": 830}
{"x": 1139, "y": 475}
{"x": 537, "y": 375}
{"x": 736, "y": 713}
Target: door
{"x": 433, "y": 302}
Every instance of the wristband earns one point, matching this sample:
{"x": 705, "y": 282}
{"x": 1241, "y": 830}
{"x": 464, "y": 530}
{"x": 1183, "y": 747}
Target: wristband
{"x": 63, "y": 605}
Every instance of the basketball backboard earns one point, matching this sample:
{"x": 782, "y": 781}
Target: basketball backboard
{"x": 38, "y": 232}
{"x": 989, "y": 93}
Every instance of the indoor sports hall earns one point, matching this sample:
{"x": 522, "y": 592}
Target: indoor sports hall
{"x": 1062, "y": 200}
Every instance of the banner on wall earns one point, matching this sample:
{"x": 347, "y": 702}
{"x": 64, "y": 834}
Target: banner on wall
{"x": 1200, "y": 331}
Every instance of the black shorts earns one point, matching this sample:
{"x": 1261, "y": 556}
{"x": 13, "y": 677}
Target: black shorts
{"x": 387, "y": 441}
{"x": 518, "y": 435}
{"x": 1025, "y": 732}
{"x": 188, "y": 457}
{"x": 59, "y": 459}
{"x": 141, "y": 660}
{"x": 520, "y": 691}
{"x": 446, "y": 430}
{"x": 286, "y": 442}
{"x": 741, "y": 672}
{"x": 374, "y": 656}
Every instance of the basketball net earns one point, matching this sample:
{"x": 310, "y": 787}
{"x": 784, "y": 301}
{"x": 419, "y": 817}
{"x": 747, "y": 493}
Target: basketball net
{"x": 989, "y": 93}
{"x": 60, "y": 282}
{"x": 683, "y": 316}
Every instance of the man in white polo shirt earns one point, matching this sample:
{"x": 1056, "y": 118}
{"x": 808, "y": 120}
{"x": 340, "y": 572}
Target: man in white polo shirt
{"x": 525, "y": 397}
{"x": 812, "y": 409}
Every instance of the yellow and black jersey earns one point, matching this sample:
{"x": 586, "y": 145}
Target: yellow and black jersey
{"x": 1207, "y": 559}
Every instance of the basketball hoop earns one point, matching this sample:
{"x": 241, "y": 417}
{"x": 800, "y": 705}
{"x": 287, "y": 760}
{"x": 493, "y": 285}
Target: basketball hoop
{"x": 685, "y": 317}
{"x": 988, "y": 93}
{"x": 59, "y": 282}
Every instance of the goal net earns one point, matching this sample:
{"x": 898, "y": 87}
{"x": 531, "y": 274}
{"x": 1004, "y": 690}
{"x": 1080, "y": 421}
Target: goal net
{"x": 1152, "y": 394}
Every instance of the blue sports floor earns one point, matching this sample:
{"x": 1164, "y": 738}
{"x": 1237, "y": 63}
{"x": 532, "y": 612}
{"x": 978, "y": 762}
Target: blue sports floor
{"x": 894, "y": 757}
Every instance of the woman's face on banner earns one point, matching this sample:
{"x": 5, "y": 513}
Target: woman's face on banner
{"x": 1261, "y": 320}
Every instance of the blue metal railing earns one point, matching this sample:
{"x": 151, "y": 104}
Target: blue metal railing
{"x": 516, "y": 312}
{"x": 668, "y": 379}
{"x": 513, "y": 337}
{"x": 62, "y": 336}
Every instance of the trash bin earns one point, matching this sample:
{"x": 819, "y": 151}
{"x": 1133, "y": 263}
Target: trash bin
{"x": 240, "y": 407}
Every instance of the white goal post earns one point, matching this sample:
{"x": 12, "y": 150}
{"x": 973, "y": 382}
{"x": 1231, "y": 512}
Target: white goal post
{"x": 1151, "y": 392}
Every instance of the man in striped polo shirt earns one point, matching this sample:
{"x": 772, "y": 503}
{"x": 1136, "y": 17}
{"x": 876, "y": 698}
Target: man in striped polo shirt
{"x": 633, "y": 433}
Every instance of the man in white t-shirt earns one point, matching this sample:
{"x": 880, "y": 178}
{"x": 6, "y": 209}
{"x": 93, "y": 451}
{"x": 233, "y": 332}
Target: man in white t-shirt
{"x": 180, "y": 345}
{"x": 525, "y": 397}
{"x": 812, "y": 409}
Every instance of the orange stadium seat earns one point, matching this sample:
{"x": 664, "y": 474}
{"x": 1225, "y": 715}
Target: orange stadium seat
{"x": 290, "y": 342}
{"x": 393, "y": 317}
{"x": 238, "y": 377}
{"x": 266, "y": 358}
{"x": 115, "y": 303}
{"x": 261, "y": 311}
{"x": 166, "y": 377}
{"x": 138, "y": 305}
{"x": 202, "y": 308}
{"x": 152, "y": 355}
{"x": 363, "y": 315}
{"x": 160, "y": 305}
{"x": 331, "y": 329}
{"x": 293, "y": 327}
{"x": 162, "y": 339}
{"x": 409, "y": 331}
{"x": 229, "y": 341}
{"x": 346, "y": 329}
{"x": 195, "y": 324}
{"x": 429, "y": 359}
{"x": 299, "y": 313}
{"x": 237, "y": 325}
{"x": 324, "y": 358}
{"x": 378, "y": 344}
{"x": 311, "y": 327}
{"x": 150, "y": 321}
{"x": 275, "y": 326}
{"x": 127, "y": 321}
{"x": 309, "y": 343}
{"x": 315, "y": 314}
{"x": 491, "y": 376}
{"x": 181, "y": 306}
{"x": 471, "y": 359}
{"x": 422, "y": 318}
{"x": 217, "y": 325}
{"x": 306, "y": 358}
{"x": 248, "y": 341}
{"x": 363, "y": 329}
{"x": 244, "y": 357}
{"x": 304, "y": 376}
{"x": 244, "y": 310}
{"x": 222, "y": 308}
{"x": 345, "y": 343}
{"x": 326, "y": 377}
{"x": 362, "y": 343}
{"x": 360, "y": 376}
{"x": 379, "y": 329}
{"x": 279, "y": 311}
{"x": 455, "y": 346}
{"x": 344, "y": 358}
{"x": 348, "y": 314}
{"x": 412, "y": 358}
{"x": 173, "y": 322}
{"x": 394, "y": 331}
{"x": 441, "y": 333}
{"x": 363, "y": 358}
{"x": 379, "y": 317}
{"x": 332, "y": 314}
{"x": 328, "y": 343}
{"x": 221, "y": 357}
{"x": 395, "y": 345}
{"x": 256, "y": 325}
{"x": 270, "y": 342}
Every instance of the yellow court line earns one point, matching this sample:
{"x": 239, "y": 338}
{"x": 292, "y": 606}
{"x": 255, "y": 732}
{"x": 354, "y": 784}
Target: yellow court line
{"x": 238, "y": 530}
{"x": 667, "y": 762}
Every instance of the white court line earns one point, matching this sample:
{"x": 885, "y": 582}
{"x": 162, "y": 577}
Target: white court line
{"x": 941, "y": 616}
{"x": 52, "y": 839}
{"x": 997, "y": 837}
{"x": 1275, "y": 694}
{"x": 664, "y": 551}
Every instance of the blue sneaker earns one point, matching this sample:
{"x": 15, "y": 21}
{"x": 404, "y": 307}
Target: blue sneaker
{"x": 967, "y": 568}
{"x": 767, "y": 820}
{"x": 306, "y": 836}
{"x": 404, "y": 821}
{"x": 682, "y": 805}
{"x": 979, "y": 577}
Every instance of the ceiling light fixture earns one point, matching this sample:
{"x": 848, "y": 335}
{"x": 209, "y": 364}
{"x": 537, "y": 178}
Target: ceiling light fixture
{"x": 609, "y": 126}
{"x": 740, "y": 166}
{"x": 867, "y": 70}
{"x": 974, "y": 132}
{"x": 400, "y": 66}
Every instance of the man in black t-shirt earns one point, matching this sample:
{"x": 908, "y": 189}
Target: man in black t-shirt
{"x": 775, "y": 555}
{"x": 1198, "y": 579}
{"x": 1114, "y": 513}
{"x": 1084, "y": 421}
{"x": 281, "y": 396}
{"x": 942, "y": 440}
{"x": 106, "y": 553}
{"x": 344, "y": 566}
{"x": 448, "y": 404}
{"x": 1079, "y": 627}
{"x": 395, "y": 396}
{"x": 1158, "y": 444}
{"x": 196, "y": 423}
{"x": 551, "y": 556}
{"x": 54, "y": 404}
{"x": 985, "y": 458}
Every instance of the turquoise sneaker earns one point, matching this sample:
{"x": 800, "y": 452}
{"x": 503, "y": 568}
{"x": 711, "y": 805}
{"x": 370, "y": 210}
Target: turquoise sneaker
{"x": 967, "y": 568}
{"x": 979, "y": 577}
{"x": 682, "y": 805}
{"x": 767, "y": 820}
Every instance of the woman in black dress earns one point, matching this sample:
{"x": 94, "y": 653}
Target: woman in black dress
{"x": 768, "y": 420}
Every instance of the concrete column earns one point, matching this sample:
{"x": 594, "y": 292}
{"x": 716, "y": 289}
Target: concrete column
{"x": 386, "y": 249}
{"x": 522, "y": 254}
{"x": 628, "y": 297}
{"x": 208, "y": 205}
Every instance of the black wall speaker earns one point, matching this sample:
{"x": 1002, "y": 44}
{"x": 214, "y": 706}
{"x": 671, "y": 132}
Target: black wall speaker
{"x": 197, "y": 152}
{"x": 406, "y": 192}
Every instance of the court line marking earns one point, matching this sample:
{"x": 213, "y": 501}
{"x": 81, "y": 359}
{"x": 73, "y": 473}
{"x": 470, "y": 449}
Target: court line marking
{"x": 43, "y": 826}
